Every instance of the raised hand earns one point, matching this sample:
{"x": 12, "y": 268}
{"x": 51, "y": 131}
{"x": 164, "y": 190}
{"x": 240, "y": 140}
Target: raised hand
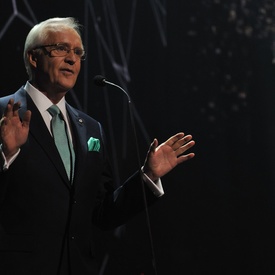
{"x": 14, "y": 132}
{"x": 163, "y": 158}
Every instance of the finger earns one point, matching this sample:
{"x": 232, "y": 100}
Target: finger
{"x": 11, "y": 101}
{"x": 26, "y": 119}
{"x": 185, "y": 157}
{"x": 16, "y": 106}
{"x": 9, "y": 107}
{"x": 153, "y": 145}
{"x": 181, "y": 142}
{"x": 12, "y": 108}
{"x": 15, "y": 109}
{"x": 185, "y": 147}
{"x": 178, "y": 141}
{"x": 170, "y": 141}
{"x": 2, "y": 120}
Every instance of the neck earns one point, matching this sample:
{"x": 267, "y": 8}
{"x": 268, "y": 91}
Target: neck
{"x": 53, "y": 95}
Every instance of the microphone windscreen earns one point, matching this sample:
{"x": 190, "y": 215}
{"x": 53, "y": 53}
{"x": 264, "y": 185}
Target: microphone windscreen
{"x": 99, "y": 80}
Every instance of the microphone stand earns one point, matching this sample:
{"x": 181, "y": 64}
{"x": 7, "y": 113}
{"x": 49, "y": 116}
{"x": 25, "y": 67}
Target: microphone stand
{"x": 140, "y": 172}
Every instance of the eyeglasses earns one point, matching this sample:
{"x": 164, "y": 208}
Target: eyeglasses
{"x": 60, "y": 50}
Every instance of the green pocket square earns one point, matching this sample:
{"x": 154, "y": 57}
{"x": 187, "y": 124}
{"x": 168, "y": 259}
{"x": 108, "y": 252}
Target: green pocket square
{"x": 93, "y": 144}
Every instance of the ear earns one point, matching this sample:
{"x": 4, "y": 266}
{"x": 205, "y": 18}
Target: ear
{"x": 32, "y": 56}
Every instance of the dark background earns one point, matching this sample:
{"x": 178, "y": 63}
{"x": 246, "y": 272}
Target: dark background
{"x": 203, "y": 67}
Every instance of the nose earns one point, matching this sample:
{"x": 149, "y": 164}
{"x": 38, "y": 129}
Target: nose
{"x": 71, "y": 57}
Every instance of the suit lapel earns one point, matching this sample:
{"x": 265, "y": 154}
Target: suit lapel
{"x": 80, "y": 143}
{"x": 40, "y": 132}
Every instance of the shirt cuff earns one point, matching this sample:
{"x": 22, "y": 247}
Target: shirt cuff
{"x": 7, "y": 164}
{"x": 154, "y": 186}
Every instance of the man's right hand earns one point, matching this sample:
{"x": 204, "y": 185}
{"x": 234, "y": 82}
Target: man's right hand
{"x": 14, "y": 132}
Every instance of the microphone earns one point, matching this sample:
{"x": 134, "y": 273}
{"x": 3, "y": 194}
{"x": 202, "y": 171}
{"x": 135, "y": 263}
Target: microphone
{"x": 101, "y": 81}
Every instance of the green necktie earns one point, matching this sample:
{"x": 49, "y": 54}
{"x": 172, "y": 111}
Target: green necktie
{"x": 61, "y": 139}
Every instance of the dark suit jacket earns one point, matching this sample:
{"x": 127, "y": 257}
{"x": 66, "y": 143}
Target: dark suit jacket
{"x": 46, "y": 224}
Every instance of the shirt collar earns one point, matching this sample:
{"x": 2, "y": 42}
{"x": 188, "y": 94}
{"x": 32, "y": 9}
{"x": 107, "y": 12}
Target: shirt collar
{"x": 41, "y": 101}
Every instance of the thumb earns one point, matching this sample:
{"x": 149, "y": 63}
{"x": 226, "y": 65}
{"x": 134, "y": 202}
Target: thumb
{"x": 153, "y": 145}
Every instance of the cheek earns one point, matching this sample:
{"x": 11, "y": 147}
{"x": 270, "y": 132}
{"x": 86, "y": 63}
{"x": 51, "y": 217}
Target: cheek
{"x": 47, "y": 69}
{"x": 77, "y": 71}
{"x": 53, "y": 73}
{"x": 78, "y": 67}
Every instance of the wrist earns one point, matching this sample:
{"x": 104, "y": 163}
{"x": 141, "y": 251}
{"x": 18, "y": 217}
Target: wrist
{"x": 7, "y": 152}
{"x": 149, "y": 174}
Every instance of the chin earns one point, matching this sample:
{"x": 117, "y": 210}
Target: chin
{"x": 68, "y": 85}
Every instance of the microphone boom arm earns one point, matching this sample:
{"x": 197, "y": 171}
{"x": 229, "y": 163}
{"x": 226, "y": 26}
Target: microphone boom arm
{"x": 117, "y": 86}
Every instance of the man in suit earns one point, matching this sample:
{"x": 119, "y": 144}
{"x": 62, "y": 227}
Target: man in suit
{"x": 46, "y": 214}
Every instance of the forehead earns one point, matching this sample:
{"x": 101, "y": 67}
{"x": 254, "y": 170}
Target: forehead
{"x": 68, "y": 36}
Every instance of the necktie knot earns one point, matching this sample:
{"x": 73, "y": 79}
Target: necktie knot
{"x": 54, "y": 110}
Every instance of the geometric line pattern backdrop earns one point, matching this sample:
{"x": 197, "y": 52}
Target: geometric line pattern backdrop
{"x": 109, "y": 43}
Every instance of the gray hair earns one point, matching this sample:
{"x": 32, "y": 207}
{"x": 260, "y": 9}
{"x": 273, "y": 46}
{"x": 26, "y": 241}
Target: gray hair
{"x": 39, "y": 33}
